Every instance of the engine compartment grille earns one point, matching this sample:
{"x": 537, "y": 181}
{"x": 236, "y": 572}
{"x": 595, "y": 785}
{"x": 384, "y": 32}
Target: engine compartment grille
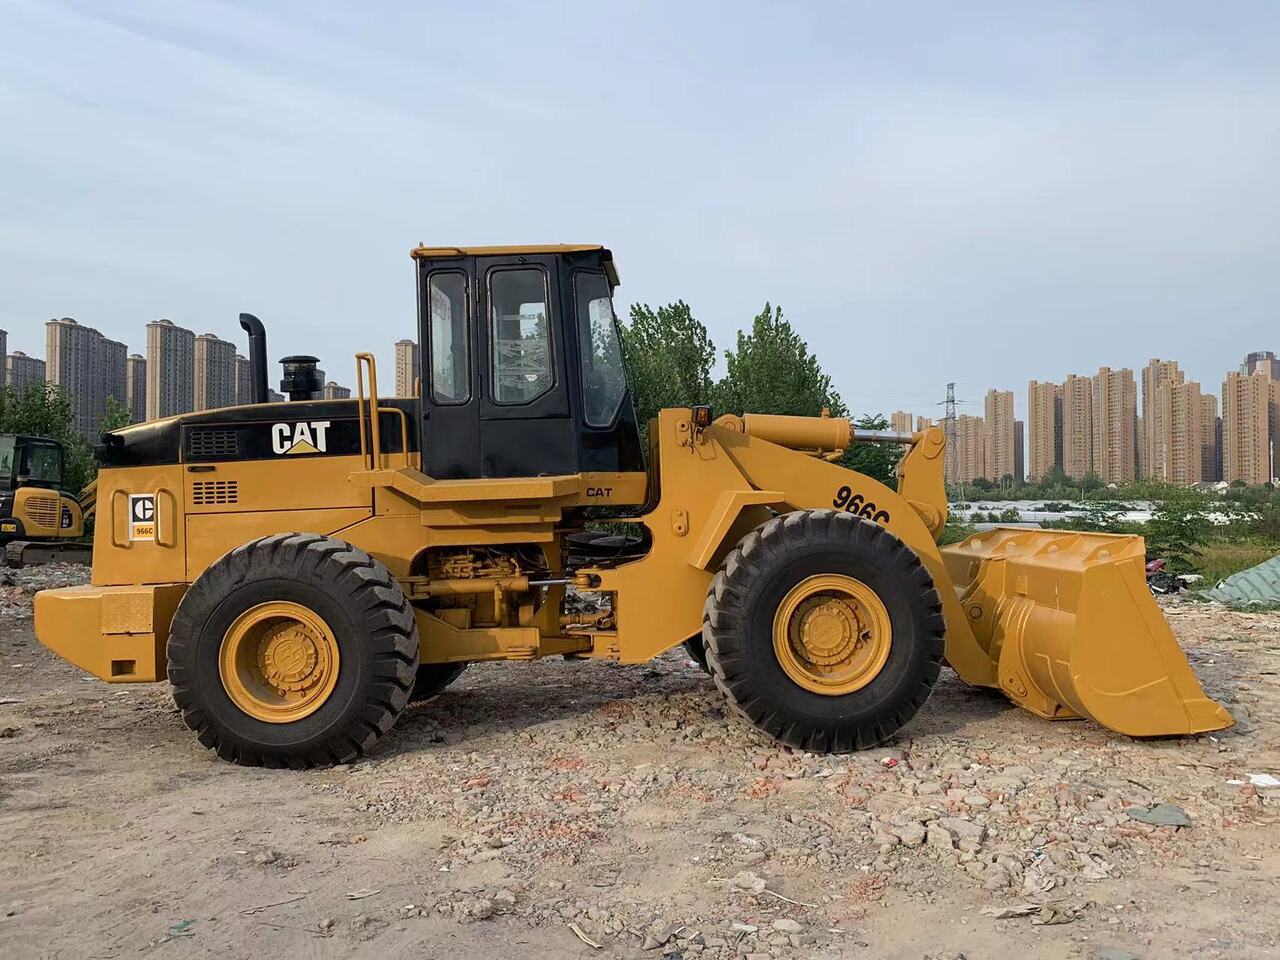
{"x": 207, "y": 444}
{"x": 43, "y": 510}
{"x": 210, "y": 492}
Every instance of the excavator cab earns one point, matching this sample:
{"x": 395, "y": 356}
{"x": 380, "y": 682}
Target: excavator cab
{"x": 521, "y": 363}
{"x": 33, "y": 504}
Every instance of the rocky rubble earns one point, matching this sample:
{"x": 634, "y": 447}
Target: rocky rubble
{"x": 18, "y": 587}
{"x": 625, "y": 807}
{"x": 570, "y": 797}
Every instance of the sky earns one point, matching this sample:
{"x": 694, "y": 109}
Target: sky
{"x": 979, "y": 193}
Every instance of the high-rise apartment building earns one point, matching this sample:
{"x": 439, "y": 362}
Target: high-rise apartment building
{"x": 244, "y": 382}
{"x": 88, "y": 367}
{"x": 924, "y": 423}
{"x": 333, "y": 391}
{"x": 1210, "y": 439}
{"x": 1151, "y": 453}
{"x": 68, "y": 352}
{"x": 215, "y": 372}
{"x": 1019, "y": 450}
{"x": 170, "y": 369}
{"x": 1264, "y": 360}
{"x": 900, "y": 421}
{"x": 967, "y": 462}
{"x": 1179, "y": 411}
{"x": 1250, "y": 427}
{"x": 1115, "y": 413}
{"x": 1140, "y": 467}
{"x": 21, "y": 371}
{"x": 999, "y": 435}
{"x": 407, "y": 367}
{"x": 111, "y": 379}
{"x": 1044, "y": 415}
{"x": 1077, "y": 426}
{"x": 136, "y": 387}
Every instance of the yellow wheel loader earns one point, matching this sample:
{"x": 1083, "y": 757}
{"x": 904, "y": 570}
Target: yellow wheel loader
{"x": 39, "y": 519}
{"x": 300, "y": 571}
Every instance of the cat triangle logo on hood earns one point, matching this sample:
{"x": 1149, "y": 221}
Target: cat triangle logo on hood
{"x": 302, "y": 446}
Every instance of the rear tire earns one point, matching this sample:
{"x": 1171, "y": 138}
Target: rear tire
{"x": 746, "y": 657}
{"x": 433, "y": 678}
{"x": 293, "y": 650}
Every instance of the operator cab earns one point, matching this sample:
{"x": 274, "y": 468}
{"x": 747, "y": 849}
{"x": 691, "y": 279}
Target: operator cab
{"x": 30, "y": 462}
{"x": 520, "y": 363}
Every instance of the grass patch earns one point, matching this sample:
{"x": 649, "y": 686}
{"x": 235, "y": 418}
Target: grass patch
{"x": 1219, "y": 560}
{"x": 955, "y": 531}
{"x": 1254, "y": 606}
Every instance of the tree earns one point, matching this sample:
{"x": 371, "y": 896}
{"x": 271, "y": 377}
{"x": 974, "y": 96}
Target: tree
{"x": 1177, "y": 529}
{"x": 1091, "y": 482}
{"x": 1055, "y": 476}
{"x": 772, "y": 371}
{"x": 668, "y": 357}
{"x": 43, "y": 410}
{"x": 116, "y": 416}
{"x": 876, "y": 460}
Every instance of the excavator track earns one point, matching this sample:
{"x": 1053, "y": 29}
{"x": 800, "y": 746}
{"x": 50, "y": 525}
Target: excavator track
{"x": 33, "y": 553}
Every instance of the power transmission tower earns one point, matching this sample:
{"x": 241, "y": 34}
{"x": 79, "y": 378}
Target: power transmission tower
{"x": 951, "y": 457}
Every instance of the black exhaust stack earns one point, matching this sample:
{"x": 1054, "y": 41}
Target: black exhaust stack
{"x": 257, "y": 356}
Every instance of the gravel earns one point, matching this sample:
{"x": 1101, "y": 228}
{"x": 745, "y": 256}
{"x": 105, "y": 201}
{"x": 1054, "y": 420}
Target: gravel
{"x": 628, "y": 802}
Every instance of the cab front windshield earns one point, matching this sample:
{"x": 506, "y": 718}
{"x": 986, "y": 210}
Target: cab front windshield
{"x": 604, "y": 381}
{"x": 44, "y": 463}
{"x": 6, "y": 460}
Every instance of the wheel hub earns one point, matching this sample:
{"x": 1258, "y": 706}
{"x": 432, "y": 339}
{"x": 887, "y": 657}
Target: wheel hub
{"x": 279, "y": 662}
{"x": 827, "y": 630}
{"x": 289, "y": 655}
{"x": 832, "y": 634}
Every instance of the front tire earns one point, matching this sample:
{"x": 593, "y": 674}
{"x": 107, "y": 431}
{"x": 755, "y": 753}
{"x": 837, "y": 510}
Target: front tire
{"x": 293, "y": 650}
{"x": 824, "y": 630}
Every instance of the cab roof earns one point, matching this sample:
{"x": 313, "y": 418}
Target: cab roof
{"x": 423, "y": 252}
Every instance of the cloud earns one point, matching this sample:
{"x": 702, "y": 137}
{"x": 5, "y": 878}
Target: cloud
{"x": 937, "y": 194}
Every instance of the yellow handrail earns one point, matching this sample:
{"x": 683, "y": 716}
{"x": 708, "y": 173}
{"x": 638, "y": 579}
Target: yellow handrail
{"x": 373, "y": 457}
{"x": 373, "y": 452}
{"x": 404, "y": 431}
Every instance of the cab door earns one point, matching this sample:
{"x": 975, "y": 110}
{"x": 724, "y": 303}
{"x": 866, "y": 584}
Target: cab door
{"x": 449, "y": 379}
{"x": 525, "y": 424}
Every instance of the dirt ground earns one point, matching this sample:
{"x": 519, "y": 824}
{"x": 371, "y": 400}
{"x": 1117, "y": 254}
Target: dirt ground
{"x": 533, "y": 799}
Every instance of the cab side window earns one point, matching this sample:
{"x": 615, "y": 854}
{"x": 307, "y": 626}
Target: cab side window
{"x": 520, "y": 335}
{"x": 450, "y": 338}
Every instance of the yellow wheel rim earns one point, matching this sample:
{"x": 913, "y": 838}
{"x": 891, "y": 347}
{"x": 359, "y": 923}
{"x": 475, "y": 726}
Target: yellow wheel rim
{"x": 278, "y": 662}
{"x": 832, "y": 634}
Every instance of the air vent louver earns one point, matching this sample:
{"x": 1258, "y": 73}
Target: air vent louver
{"x": 211, "y": 444}
{"x": 206, "y": 493}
